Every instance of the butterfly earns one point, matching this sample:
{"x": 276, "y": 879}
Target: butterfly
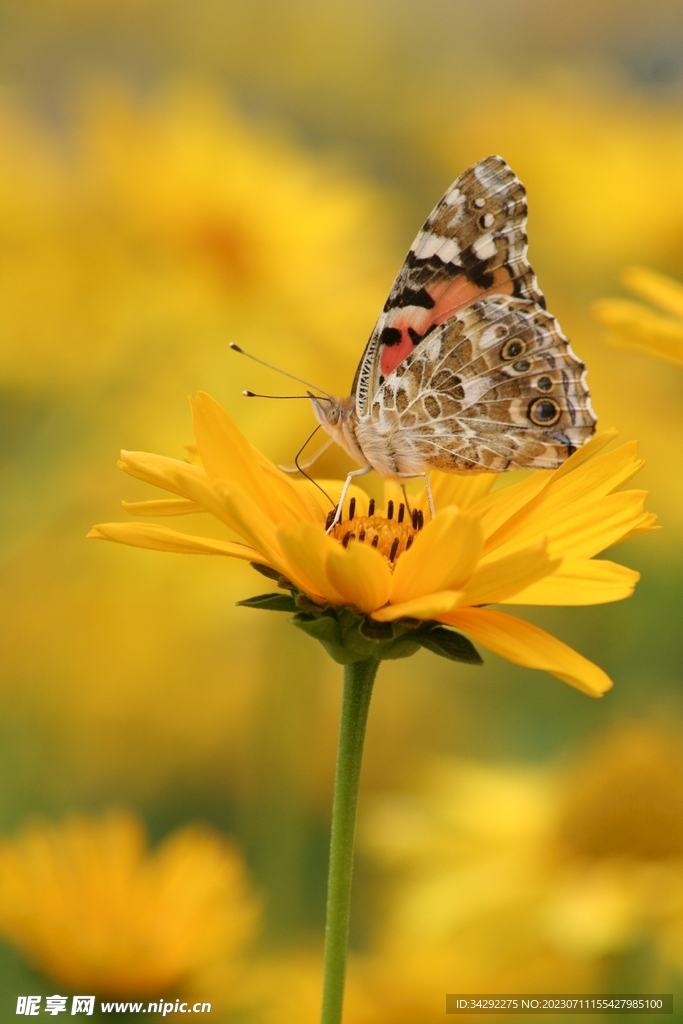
{"x": 465, "y": 370}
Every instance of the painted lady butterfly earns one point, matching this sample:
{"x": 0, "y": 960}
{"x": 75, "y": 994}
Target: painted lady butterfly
{"x": 465, "y": 371}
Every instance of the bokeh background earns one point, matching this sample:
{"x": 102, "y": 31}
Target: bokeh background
{"x": 177, "y": 176}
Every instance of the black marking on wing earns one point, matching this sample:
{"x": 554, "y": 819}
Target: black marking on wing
{"x": 390, "y": 336}
{"x": 410, "y": 297}
{"x": 476, "y": 269}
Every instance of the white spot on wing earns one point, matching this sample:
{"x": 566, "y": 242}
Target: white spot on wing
{"x": 427, "y": 244}
{"x": 484, "y": 248}
{"x": 453, "y": 196}
{"x": 449, "y": 251}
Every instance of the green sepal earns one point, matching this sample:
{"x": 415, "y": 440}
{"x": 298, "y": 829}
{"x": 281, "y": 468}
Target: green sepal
{"x": 449, "y": 644}
{"x": 348, "y": 636}
{"x": 270, "y": 602}
{"x": 327, "y": 631}
{"x": 273, "y": 574}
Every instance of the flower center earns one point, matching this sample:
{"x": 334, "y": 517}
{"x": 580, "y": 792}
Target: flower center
{"x": 390, "y": 535}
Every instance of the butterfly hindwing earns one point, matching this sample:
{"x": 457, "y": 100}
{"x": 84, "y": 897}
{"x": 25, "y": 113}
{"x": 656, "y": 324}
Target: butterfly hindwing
{"x": 495, "y": 387}
{"x": 472, "y": 245}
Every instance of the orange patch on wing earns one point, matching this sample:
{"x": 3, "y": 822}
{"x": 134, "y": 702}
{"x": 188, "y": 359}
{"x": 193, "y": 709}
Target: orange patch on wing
{"x": 450, "y": 295}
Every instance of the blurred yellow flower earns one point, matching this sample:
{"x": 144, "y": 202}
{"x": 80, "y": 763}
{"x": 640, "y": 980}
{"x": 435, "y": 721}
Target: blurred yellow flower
{"x": 173, "y": 218}
{"x": 530, "y": 543}
{"x": 93, "y": 909}
{"x": 636, "y": 326}
{"x": 535, "y": 874}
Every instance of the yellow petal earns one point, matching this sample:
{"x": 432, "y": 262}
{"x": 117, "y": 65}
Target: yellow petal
{"x": 461, "y": 489}
{"x": 527, "y": 645}
{"x": 360, "y": 574}
{"x": 160, "y": 538}
{"x": 572, "y": 523}
{"x": 580, "y": 581}
{"x": 442, "y": 557}
{"x": 246, "y": 519}
{"x": 634, "y": 326}
{"x": 587, "y": 451}
{"x": 227, "y": 455}
{"x": 179, "y": 477}
{"x": 160, "y": 471}
{"x": 659, "y": 289}
{"x": 553, "y": 505}
{"x": 164, "y": 507}
{"x": 193, "y": 455}
{"x": 497, "y": 508}
{"x": 501, "y": 578}
{"x": 431, "y": 606}
{"x": 305, "y": 551}
{"x": 598, "y": 526}
{"x": 647, "y": 523}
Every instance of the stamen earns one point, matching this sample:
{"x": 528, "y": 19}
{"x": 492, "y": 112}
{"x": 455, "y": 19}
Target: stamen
{"x": 409, "y": 542}
{"x": 415, "y": 519}
{"x": 330, "y": 518}
{"x": 352, "y": 508}
{"x": 420, "y": 519}
{"x": 390, "y": 510}
{"x": 390, "y": 537}
{"x": 371, "y": 507}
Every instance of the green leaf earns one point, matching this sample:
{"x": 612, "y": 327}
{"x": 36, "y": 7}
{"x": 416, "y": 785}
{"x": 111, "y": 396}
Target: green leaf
{"x": 270, "y": 602}
{"x": 449, "y": 644}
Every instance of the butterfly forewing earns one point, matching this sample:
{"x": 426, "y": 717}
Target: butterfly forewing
{"x": 472, "y": 245}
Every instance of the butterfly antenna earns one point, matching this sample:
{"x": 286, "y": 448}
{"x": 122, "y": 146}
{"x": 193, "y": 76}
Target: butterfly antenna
{"x": 277, "y": 369}
{"x": 303, "y": 471}
{"x": 253, "y": 394}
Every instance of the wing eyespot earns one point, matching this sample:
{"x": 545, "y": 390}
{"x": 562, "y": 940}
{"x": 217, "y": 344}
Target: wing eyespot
{"x": 544, "y": 412}
{"x": 544, "y": 384}
{"x": 513, "y": 348}
{"x": 521, "y": 366}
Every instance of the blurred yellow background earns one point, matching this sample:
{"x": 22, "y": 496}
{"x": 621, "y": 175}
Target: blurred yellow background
{"x": 174, "y": 177}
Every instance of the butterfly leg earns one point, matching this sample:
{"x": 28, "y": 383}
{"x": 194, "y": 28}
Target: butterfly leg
{"x": 345, "y": 489}
{"x": 430, "y": 496}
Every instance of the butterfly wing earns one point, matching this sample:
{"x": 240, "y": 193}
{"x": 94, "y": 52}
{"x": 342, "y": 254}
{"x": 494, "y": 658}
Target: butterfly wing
{"x": 495, "y": 387}
{"x": 473, "y": 244}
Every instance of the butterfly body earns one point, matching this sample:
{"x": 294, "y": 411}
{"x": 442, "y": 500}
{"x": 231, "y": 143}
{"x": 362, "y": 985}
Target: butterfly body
{"x": 465, "y": 370}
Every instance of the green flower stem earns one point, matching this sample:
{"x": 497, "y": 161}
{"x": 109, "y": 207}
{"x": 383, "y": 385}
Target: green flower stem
{"x": 358, "y": 681}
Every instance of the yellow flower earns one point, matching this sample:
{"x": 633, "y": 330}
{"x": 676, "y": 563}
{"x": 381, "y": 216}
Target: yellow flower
{"x": 517, "y": 867}
{"x": 92, "y": 908}
{"x": 636, "y": 326}
{"x": 530, "y": 543}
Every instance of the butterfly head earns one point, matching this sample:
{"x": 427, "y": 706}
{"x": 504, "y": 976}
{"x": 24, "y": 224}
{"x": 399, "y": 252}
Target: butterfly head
{"x": 337, "y": 416}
